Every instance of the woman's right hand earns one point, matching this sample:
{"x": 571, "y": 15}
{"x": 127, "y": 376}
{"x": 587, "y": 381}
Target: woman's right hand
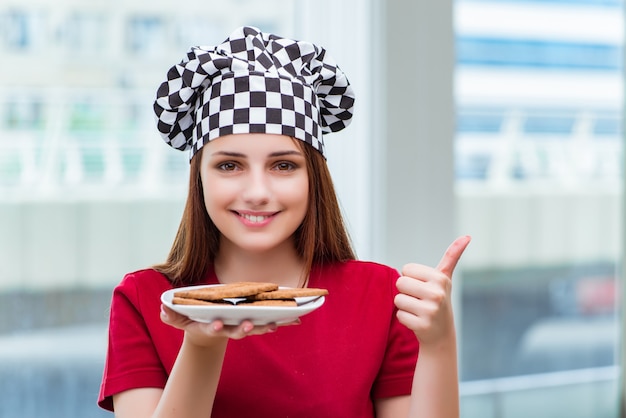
{"x": 207, "y": 334}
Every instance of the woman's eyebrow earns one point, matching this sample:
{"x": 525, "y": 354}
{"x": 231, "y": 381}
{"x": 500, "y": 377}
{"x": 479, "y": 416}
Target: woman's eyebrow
{"x": 283, "y": 153}
{"x": 229, "y": 154}
{"x": 242, "y": 155}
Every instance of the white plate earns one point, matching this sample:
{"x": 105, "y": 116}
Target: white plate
{"x": 233, "y": 314}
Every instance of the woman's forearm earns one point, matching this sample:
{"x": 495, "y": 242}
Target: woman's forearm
{"x": 435, "y": 392}
{"x": 191, "y": 387}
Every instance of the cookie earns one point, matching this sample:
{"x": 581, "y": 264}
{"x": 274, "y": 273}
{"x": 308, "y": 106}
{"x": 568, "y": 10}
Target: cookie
{"x": 291, "y": 293}
{"x": 233, "y": 290}
{"x": 189, "y": 301}
{"x": 273, "y": 302}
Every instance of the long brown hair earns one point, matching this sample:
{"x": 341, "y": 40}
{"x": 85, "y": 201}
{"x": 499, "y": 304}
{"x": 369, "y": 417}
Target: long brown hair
{"x": 321, "y": 238}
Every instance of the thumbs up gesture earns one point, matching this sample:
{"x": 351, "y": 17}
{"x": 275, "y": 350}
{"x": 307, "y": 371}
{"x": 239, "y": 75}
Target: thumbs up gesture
{"x": 424, "y": 302}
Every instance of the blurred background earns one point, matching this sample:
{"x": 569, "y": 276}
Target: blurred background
{"x": 517, "y": 104}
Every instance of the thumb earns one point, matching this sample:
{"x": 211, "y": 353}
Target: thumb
{"x": 452, "y": 255}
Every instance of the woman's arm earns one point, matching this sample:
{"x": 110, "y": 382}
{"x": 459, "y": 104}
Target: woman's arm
{"x": 425, "y": 306}
{"x": 435, "y": 388}
{"x": 191, "y": 387}
{"x": 395, "y": 407}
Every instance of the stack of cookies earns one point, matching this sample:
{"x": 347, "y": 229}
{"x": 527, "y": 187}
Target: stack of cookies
{"x": 245, "y": 294}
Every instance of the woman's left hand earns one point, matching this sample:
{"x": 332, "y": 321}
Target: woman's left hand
{"x": 207, "y": 334}
{"x": 424, "y": 302}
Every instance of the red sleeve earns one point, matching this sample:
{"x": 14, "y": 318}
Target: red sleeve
{"x": 132, "y": 360}
{"x": 396, "y": 372}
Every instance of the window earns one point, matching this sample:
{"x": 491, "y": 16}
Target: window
{"x": 537, "y": 158}
{"x": 146, "y": 34}
{"x": 88, "y": 191}
{"x": 85, "y": 33}
{"x": 542, "y": 188}
{"x": 16, "y": 32}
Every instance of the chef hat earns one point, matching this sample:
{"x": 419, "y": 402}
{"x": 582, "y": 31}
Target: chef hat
{"x": 253, "y": 82}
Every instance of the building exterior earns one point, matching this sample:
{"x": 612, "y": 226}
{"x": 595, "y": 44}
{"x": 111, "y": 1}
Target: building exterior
{"x": 75, "y": 98}
{"x": 86, "y": 194}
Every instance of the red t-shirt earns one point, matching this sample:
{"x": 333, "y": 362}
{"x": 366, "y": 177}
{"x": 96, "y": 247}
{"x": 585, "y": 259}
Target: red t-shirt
{"x": 342, "y": 356}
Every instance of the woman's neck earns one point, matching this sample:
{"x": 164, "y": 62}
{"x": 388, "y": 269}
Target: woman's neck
{"x": 282, "y": 266}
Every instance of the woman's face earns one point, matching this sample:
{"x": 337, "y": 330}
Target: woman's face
{"x": 256, "y": 189}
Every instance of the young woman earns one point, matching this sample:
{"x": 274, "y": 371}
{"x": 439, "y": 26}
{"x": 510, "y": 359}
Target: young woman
{"x": 262, "y": 207}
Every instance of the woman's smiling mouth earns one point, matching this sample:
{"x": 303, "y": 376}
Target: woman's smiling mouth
{"x": 254, "y": 219}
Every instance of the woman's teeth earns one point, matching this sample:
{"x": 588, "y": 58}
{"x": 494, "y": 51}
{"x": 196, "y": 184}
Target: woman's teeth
{"x": 254, "y": 218}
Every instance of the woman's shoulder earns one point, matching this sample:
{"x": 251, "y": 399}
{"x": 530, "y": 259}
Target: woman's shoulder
{"x": 358, "y": 270}
{"x": 355, "y": 280}
{"x": 362, "y": 266}
{"x": 144, "y": 281}
{"x": 147, "y": 274}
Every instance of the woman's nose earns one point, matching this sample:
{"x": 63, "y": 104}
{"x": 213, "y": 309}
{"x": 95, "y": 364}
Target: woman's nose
{"x": 257, "y": 188}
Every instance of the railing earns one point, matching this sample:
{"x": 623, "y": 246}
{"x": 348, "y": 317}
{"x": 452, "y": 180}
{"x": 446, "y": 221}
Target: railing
{"x": 52, "y": 147}
{"x": 584, "y": 393}
{"x": 60, "y": 148}
{"x": 532, "y": 146}
{"x": 56, "y": 373}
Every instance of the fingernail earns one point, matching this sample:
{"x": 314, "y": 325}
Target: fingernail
{"x": 163, "y": 313}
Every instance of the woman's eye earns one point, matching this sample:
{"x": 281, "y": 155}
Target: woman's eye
{"x": 227, "y": 166}
{"x": 285, "y": 166}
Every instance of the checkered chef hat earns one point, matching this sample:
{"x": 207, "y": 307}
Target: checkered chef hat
{"x": 253, "y": 83}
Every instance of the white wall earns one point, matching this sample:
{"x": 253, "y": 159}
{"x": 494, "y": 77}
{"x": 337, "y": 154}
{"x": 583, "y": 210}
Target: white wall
{"x": 523, "y": 229}
{"x": 93, "y": 243}
{"x": 63, "y": 244}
